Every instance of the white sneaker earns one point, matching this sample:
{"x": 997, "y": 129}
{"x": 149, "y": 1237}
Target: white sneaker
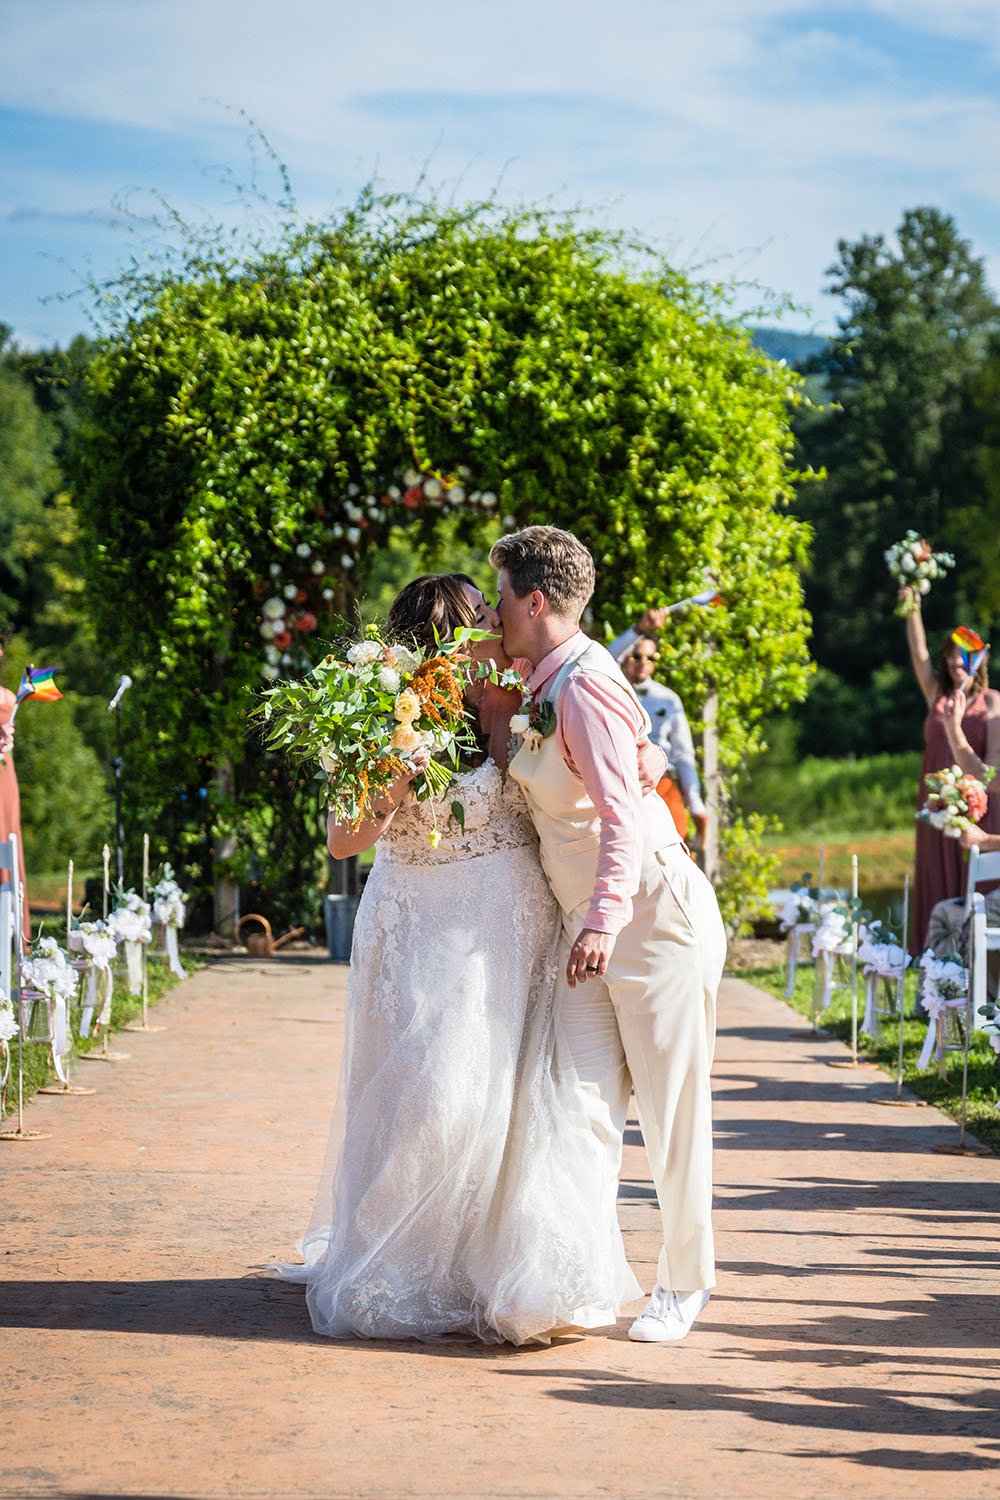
{"x": 667, "y": 1316}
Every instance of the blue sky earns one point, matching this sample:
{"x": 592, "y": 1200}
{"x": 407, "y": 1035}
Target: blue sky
{"x": 744, "y": 136}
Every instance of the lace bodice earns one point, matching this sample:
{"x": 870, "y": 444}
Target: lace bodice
{"x": 496, "y": 817}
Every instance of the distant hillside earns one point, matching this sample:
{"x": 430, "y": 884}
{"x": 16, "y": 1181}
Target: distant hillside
{"x": 784, "y": 343}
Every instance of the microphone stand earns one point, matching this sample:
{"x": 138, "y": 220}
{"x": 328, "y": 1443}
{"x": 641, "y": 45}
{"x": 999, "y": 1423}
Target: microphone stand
{"x": 118, "y": 766}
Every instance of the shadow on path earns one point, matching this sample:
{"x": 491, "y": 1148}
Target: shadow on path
{"x": 967, "y": 1419}
{"x": 241, "y": 1308}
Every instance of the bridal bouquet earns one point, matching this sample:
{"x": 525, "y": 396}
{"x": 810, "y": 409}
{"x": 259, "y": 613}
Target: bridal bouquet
{"x": 913, "y": 564}
{"x": 363, "y": 718}
{"x": 955, "y": 800}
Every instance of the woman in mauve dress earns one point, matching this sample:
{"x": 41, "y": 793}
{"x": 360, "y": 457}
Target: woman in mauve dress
{"x": 941, "y": 869}
{"x": 10, "y": 797}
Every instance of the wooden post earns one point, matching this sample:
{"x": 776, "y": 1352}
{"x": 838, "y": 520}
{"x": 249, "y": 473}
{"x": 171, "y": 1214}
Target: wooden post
{"x": 225, "y": 892}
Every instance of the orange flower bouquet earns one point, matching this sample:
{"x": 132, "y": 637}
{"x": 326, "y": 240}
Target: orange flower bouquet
{"x": 361, "y": 719}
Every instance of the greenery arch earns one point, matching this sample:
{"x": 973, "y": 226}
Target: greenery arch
{"x": 256, "y": 414}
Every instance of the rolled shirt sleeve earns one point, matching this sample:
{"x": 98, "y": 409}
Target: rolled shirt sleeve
{"x": 606, "y": 762}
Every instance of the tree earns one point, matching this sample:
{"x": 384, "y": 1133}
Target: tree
{"x": 28, "y": 475}
{"x": 896, "y": 440}
{"x": 64, "y": 808}
{"x": 254, "y": 418}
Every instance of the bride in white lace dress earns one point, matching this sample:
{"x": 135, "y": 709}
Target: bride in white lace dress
{"x": 462, "y": 1191}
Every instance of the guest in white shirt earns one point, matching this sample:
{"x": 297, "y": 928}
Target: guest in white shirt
{"x": 635, "y": 651}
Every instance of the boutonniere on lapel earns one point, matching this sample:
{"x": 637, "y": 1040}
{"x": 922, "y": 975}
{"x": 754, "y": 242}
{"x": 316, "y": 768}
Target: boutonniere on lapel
{"x": 535, "y": 722}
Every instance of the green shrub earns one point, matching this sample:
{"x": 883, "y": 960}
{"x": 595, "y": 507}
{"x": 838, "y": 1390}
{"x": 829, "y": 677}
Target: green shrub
{"x": 814, "y": 795}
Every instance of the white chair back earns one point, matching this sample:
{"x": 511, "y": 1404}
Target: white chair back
{"x": 9, "y": 911}
{"x": 982, "y": 867}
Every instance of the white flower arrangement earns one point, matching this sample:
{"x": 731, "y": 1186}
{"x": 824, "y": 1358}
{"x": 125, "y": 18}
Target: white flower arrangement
{"x": 799, "y": 908}
{"x": 879, "y": 953}
{"x": 97, "y": 941}
{"x": 945, "y": 981}
{"x": 49, "y": 971}
{"x": 168, "y": 910}
{"x": 833, "y": 934}
{"x": 131, "y": 921}
{"x": 913, "y": 564}
{"x": 945, "y": 988}
{"x": 168, "y": 900}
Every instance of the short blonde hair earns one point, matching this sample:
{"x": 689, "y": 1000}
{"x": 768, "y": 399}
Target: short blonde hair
{"x": 552, "y": 561}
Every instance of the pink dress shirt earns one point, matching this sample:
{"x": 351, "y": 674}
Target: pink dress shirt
{"x": 599, "y": 726}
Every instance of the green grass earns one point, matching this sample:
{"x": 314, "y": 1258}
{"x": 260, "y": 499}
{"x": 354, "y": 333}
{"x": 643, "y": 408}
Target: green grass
{"x": 125, "y": 1007}
{"x": 945, "y": 1093}
{"x": 864, "y": 807}
{"x": 884, "y": 857}
{"x": 825, "y": 797}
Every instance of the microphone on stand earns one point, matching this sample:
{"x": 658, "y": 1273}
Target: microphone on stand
{"x": 124, "y": 683}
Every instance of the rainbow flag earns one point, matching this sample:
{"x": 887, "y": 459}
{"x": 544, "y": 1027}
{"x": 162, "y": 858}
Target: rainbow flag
{"x": 40, "y": 683}
{"x": 974, "y": 648}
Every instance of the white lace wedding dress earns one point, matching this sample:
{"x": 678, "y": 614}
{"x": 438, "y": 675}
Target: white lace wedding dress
{"x": 463, "y": 1187}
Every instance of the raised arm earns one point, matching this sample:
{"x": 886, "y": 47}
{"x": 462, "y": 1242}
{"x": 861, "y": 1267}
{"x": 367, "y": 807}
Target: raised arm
{"x": 964, "y": 755}
{"x": 649, "y": 622}
{"x": 916, "y": 639}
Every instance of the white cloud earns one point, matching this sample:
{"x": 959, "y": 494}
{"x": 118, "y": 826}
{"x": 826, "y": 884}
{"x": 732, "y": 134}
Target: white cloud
{"x": 724, "y": 125}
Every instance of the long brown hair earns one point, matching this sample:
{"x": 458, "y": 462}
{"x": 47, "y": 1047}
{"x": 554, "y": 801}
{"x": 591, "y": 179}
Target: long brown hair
{"x": 945, "y": 686}
{"x": 436, "y": 601}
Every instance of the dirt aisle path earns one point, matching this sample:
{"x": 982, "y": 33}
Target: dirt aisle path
{"x": 852, "y": 1340}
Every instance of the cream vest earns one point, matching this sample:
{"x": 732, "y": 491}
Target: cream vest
{"x": 569, "y": 828}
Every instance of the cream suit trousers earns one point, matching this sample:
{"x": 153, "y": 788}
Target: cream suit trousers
{"x": 649, "y": 1026}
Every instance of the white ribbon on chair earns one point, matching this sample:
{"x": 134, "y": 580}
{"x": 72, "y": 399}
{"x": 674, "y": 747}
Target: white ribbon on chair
{"x": 97, "y": 972}
{"x": 832, "y": 938}
{"x": 173, "y": 951}
{"x": 100, "y": 947}
{"x": 131, "y": 923}
{"x": 47, "y": 970}
{"x": 880, "y": 960}
{"x": 168, "y": 909}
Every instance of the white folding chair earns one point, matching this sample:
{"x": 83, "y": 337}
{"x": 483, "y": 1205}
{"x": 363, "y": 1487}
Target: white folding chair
{"x": 982, "y": 868}
{"x": 8, "y": 913}
{"x": 982, "y": 941}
